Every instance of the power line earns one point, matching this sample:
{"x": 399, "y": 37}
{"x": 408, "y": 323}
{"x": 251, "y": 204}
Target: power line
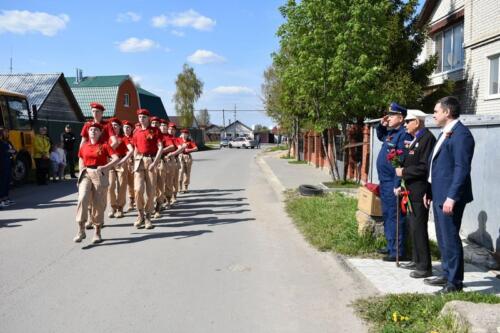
{"x": 222, "y": 110}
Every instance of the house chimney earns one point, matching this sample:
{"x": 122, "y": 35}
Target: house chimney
{"x": 79, "y": 76}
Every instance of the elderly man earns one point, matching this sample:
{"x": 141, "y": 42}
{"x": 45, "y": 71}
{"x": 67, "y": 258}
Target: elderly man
{"x": 393, "y": 136}
{"x": 451, "y": 190}
{"x": 414, "y": 172}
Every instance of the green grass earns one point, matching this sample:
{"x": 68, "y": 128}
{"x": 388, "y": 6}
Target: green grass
{"x": 297, "y": 162}
{"x": 277, "y": 148}
{"x": 342, "y": 184}
{"x": 420, "y": 312}
{"x": 287, "y": 157}
{"x": 328, "y": 222}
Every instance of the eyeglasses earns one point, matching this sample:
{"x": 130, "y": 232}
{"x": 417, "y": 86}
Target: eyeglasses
{"x": 409, "y": 121}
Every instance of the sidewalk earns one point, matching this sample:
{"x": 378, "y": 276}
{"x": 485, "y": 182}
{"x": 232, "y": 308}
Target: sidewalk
{"x": 384, "y": 276}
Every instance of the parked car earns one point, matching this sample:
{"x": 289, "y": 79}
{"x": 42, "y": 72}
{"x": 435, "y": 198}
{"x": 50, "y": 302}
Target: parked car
{"x": 242, "y": 142}
{"x": 224, "y": 143}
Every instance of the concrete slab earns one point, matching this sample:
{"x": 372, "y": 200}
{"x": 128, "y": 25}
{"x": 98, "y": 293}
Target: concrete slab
{"x": 389, "y": 279}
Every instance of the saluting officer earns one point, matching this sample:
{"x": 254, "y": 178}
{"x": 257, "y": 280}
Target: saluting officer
{"x": 393, "y": 136}
{"x": 97, "y": 158}
{"x": 129, "y": 165}
{"x": 186, "y": 160}
{"x": 148, "y": 150}
{"x": 118, "y": 174}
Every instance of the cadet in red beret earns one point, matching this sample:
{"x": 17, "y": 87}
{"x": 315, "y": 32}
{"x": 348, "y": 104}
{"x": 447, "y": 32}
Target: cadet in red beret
{"x": 118, "y": 176}
{"x": 173, "y": 166}
{"x": 97, "y": 159}
{"x": 148, "y": 149}
{"x": 186, "y": 160}
{"x": 163, "y": 168}
{"x": 128, "y": 129}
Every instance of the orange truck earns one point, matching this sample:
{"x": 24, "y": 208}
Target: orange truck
{"x": 18, "y": 119}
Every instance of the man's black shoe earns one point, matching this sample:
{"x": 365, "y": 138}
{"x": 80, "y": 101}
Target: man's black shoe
{"x": 448, "y": 289}
{"x": 409, "y": 265}
{"x": 383, "y": 250}
{"x": 437, "y": 281}
{"x": 393, "y": 259}
{"x": 420, "y": 274}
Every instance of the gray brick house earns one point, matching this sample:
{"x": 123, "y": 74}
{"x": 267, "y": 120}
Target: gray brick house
{"x": 465, "y": 34}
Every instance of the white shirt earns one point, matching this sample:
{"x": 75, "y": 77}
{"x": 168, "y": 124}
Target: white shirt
{"x": 446, "y": 129}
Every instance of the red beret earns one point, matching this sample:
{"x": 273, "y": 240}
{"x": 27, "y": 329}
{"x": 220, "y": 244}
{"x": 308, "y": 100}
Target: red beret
{"x": 126, "y": 123}
{"x": 98, "y": 106}
{"x": 115, "y": 120}
{"x": 185, "y": 130}
{"x": 163, "y": 122}
{"x": 144, "y": 112}
{"x": 172, "y": 124}
{"x": 155, "y": 119}
{"x": 96, "y": 125}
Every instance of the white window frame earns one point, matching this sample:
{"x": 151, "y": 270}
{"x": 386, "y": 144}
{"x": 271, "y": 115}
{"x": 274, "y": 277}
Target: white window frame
{"x": 489, "y": 58}
{"x": 126, "y": 100}
{"x": 441, "y": 36}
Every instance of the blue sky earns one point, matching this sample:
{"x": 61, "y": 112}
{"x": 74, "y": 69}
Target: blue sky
{"x": 227, "y": 42}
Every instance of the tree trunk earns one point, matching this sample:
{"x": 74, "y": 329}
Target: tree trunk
{"x": 332, "y": 162}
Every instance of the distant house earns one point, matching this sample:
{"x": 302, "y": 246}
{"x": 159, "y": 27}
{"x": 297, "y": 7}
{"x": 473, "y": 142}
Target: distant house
{"x": 236, "y": 129}
{"x": 212, "y": 132}
{"x": 117, "y": 93}
{"x": 50, "y": 93}
{"x": 465, "y": 35}
{"x": 152, "y": 102}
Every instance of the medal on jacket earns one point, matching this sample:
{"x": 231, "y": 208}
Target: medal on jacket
{"x": 99, "y": 150}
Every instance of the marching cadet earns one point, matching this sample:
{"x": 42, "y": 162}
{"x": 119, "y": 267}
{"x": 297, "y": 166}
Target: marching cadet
{"x": 186, "y": 160}
{"x": 163, "y": 170}
{"x": 118, "y": 174}
{"x": 129, "y": 165}
{"x": 148, "y": 149}
{"x": 97, "y": 159}
{"x": 173, "y": 166}
{"x": 107, "y": 134}
{"x": 155, "y": 122}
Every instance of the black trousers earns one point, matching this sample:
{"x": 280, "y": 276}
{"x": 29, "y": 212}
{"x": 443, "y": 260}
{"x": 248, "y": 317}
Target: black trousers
{"x": 418, "y": 219}
{"x": 70, "y": 159}
{"x": 42, "y": 170}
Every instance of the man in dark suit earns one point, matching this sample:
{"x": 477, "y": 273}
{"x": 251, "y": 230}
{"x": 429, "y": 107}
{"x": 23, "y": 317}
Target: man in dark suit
{"x": 451, "y": 190}
{"x": 414, "y": 173}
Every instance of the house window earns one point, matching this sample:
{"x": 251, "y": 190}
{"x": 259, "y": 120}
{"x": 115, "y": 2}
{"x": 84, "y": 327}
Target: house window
{"x": 126, "y": 101}
{"x": 494, "y": 88}
{"x": 449, "y": 49}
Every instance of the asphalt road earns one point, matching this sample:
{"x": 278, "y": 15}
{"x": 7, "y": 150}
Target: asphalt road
{"x": 225, "y": 259}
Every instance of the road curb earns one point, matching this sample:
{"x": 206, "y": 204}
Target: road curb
{"x": 279, "y": 189}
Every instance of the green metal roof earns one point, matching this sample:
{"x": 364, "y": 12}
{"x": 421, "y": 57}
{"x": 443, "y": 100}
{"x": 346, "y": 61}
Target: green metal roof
{"x": 152, "y": 102}
{"x": 102, "y": 89}
{"x": 104, "y": 95}
{"x": 97, "y": 81}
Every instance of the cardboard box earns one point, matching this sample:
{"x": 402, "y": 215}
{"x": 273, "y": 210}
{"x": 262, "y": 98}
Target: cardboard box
{"x": 369, "y": 203}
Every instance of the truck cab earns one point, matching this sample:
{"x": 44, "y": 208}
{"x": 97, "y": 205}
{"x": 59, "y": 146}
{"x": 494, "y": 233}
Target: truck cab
{"x": 16, "y": 117}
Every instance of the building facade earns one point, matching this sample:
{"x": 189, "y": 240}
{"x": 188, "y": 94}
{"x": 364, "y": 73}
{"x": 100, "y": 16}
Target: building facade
{"x": 465, "y": 36}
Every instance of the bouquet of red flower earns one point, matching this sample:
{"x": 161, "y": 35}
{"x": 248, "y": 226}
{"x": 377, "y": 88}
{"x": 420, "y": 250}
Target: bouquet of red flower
{"x": 395, "y": 156}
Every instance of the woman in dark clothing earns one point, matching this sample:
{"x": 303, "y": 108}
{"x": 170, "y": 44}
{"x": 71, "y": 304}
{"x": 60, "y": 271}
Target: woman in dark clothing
{"x": 7, "y": 153}
{"x": 414, "y": 173}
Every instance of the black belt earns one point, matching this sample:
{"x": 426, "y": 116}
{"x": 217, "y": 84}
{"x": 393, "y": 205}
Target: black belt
{"x": 149, "y": 155}
{"x": 92, "y": 166}
{"x": 121, "y": 156}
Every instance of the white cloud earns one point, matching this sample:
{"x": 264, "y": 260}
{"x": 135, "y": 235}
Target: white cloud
{"x": 23, "y": 21}
{"x": 233, "y": 90}
{"x": 202, "y": 57}
{"x": 178, "y": 33}
{"x": 189, "y": 18}
{"x": 128, "y": 17}
{"x": 137, "y": 45}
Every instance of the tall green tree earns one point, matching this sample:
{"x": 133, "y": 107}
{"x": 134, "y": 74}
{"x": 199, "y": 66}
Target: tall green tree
{"x": 188, "y": 90}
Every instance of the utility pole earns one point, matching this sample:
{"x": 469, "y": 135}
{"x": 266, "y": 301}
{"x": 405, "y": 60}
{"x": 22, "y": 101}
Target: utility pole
{"x": 11, "y": 60}
{"x": 234, "y": 135}
{"x": 224, "y": 123}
